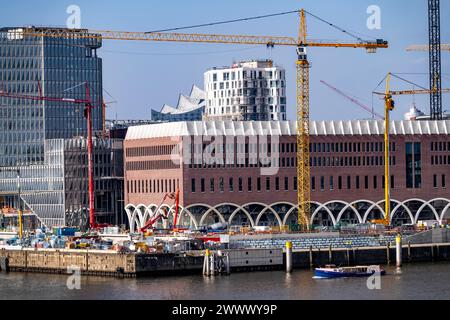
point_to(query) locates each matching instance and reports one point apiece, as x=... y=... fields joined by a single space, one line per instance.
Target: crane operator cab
x=301 y=53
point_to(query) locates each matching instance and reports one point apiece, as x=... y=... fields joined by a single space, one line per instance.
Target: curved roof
x=317 y=128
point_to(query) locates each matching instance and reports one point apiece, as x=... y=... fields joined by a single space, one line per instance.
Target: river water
x=415 y=281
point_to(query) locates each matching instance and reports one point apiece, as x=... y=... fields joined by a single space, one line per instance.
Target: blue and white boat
x=331 y=271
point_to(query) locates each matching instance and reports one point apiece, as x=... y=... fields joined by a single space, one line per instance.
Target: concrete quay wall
x=370 y=255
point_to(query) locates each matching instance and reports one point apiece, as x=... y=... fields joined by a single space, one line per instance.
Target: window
x=366 y=182
x=349 y=182
x=443 y=181
x=295 y=184
x=268 y=184
x=331 y=183
x=286 y=183
x=250 y=184
x=322 y=183
x=258 y=184
x=193 y=185
x=277 y=184
x=241 y=187
x=435 y=181
x=357 y=182
x=340 y=183
x=313 y=183
x=211 y=185
x=202 y=185
x=221 y=187
x=231 y=185
x=375 y=184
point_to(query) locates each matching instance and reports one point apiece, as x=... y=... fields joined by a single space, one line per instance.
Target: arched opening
x=349 y=216
x=322 y=219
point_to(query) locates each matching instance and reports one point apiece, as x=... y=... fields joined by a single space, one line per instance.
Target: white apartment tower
x=249 y=90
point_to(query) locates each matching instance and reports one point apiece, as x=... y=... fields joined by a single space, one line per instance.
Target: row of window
x=214 y=185
x=350 y=161
x=435 y=181
x=152 y=186
x=440 y=160
x=152 y=151
x=151 y=165
x=241 y=162
x=440 y=146
x=357 y=183
x=350 y=147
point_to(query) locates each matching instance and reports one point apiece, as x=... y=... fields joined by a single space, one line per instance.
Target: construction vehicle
x=301 y=43
x=161 y=213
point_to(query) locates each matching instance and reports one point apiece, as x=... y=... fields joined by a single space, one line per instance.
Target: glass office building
x=60 y=66
x=44 y=140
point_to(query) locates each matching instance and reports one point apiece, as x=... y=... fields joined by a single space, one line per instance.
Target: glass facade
x=60 y=65
x=56 y=191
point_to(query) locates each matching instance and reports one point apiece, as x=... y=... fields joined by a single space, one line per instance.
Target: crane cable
x=225 y=22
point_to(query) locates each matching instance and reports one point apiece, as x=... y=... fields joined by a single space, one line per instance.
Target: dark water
x=417 y=281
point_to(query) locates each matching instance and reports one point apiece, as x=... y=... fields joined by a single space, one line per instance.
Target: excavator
x=163 y=214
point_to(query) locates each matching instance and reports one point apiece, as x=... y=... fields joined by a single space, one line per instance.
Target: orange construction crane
x=300 y=43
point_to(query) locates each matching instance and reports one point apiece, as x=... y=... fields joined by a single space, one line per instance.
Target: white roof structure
x=194 y=101
x=317 y=128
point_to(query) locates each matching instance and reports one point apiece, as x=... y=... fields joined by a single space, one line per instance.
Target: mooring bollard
x=212 y=269
x=409 y=251
x=398 y=250
x=227 y=259
x=289 y=257
x=388 y=253
x=206 y=263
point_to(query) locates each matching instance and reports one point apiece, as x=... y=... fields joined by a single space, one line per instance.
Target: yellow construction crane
x=389 y=106
x=300 y=43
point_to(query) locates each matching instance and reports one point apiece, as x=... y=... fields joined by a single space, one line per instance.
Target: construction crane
x=373 y=113
x=87 y=113
x=434 y=30
x=301 y=43
x=389 y=106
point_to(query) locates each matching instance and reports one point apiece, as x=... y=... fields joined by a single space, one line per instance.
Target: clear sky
x=145 y=75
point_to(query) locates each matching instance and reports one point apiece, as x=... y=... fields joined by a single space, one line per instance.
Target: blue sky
x=145 y=75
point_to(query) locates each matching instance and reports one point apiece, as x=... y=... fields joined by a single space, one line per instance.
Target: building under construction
x=244 y=173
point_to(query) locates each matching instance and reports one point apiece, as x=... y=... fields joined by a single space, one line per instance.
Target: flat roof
x=317 y=128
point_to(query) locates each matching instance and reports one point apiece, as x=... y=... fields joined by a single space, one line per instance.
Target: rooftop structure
x=189 y=108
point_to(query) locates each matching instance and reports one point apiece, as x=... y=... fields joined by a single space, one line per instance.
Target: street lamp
x=17 y=171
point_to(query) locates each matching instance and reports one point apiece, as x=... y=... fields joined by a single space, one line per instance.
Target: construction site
x=239 y=189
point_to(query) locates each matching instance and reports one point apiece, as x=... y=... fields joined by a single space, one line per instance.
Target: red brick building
x=245 y=172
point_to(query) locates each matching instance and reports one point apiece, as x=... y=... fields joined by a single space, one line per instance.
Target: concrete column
x=289 y=257
x=398 y=250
